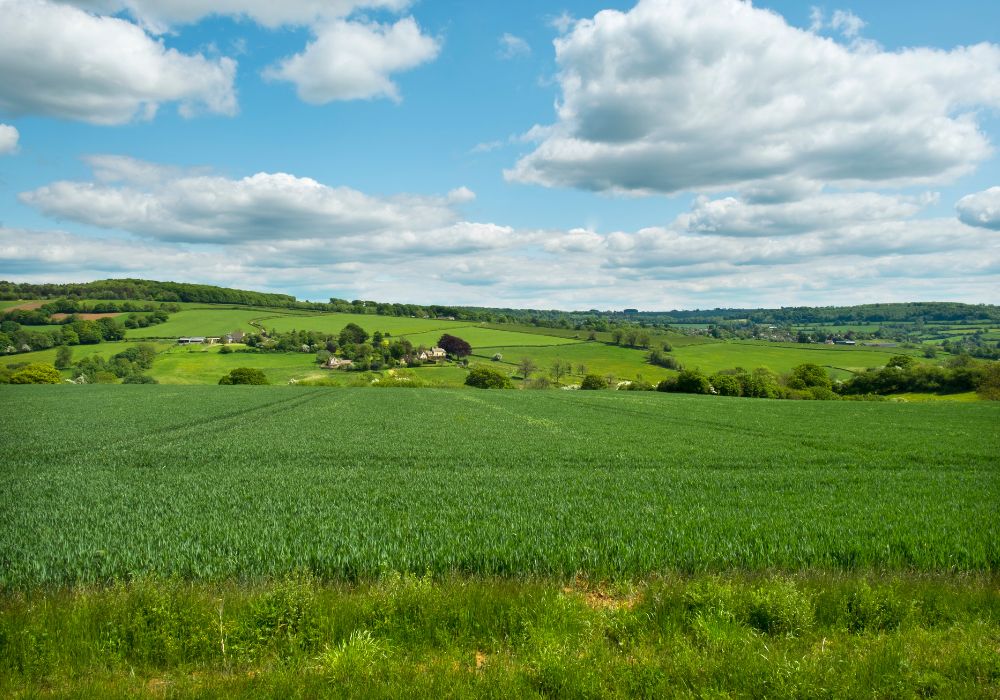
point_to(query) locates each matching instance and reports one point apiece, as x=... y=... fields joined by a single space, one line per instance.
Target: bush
x=245 y=375
x=488 y=378
x=727 y=384
x=139 y=379
x=37 y=373
x=594 y=381
x=691 y=381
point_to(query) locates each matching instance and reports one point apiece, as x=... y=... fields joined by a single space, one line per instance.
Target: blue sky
x=665 y=154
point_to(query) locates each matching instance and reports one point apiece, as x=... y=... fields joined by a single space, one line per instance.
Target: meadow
x=205 y=321
x=840 y=360
x=215 y=483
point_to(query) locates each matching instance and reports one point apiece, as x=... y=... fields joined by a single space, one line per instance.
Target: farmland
x=255 y=482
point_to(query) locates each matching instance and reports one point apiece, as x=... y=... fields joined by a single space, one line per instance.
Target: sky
x=659 y=154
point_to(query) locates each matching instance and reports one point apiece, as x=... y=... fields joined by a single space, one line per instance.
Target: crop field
x=204 y=321
x=210 y=483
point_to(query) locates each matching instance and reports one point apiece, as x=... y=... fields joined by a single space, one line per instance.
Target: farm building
x=432 y=355
x=193 y=340
x=337 y=363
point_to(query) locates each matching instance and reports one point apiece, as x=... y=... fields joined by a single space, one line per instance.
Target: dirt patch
x=24 y=306
x=85 y=317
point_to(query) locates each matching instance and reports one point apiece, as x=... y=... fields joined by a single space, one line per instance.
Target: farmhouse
x=337 y=363
x=432 y=355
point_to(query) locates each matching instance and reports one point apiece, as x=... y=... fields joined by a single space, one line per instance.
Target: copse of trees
x=959 y=375
x=483 y=377
x=245 y=375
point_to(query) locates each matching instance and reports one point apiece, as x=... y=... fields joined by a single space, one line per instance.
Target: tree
x=560 y=369
x=454 y=346
x=808 y=375
x=526 y=367
x=64 y=356
x=245 y=375
x=617 y=335
x=901 y=361
x=37 y=373
x=483 y=377
x=593 y=382
x=352 y=334
x=989 y=385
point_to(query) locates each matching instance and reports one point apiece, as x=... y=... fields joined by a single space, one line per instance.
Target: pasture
x=596 y=357
x=254 y=482
x=839 y=360
x=333 y=323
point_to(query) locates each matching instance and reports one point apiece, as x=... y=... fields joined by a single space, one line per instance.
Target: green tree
x=64 y=356
x=808 y=375
x=901 y=361
x=245 y=375
x=483 y=377
x=352 y=334
x=989 y=385
x=37 y=373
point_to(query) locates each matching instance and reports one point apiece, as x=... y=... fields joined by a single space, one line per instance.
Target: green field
x=840 y=360
x=599 y=358
x=105 y=350
x=204 y=322
x=213 y=483
x=488 y=338
x=333 y=323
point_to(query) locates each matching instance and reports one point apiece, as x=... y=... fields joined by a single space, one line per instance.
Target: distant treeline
x=146 y=290
x=592 y=319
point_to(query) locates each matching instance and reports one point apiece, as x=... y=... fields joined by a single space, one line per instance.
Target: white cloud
x=847 y=23
x=689 y=95
x=734 y=216
x=8 y=139
x=350 y=60
x=513 y=47
x=160 y=15
x=59 y=61
x=172 y=205
x=981 y=209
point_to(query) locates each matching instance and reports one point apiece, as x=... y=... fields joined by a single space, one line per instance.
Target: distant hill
x=150 y=290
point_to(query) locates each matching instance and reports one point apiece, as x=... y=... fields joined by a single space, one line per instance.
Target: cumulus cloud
x=513 y=47
x=60 y=61
x=689 y=95
x=174 y=205
x=733 y=216
x=8 y=139
x=981 y=209
x=351 y=60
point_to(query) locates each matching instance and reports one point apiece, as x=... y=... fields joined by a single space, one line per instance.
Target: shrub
x=245 y=375
x=594 y=381
x=139 y=379
x=691 y=381
x=37 y=373
x=488 y=378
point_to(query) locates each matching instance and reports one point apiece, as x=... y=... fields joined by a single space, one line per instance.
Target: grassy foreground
x=799 y=636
